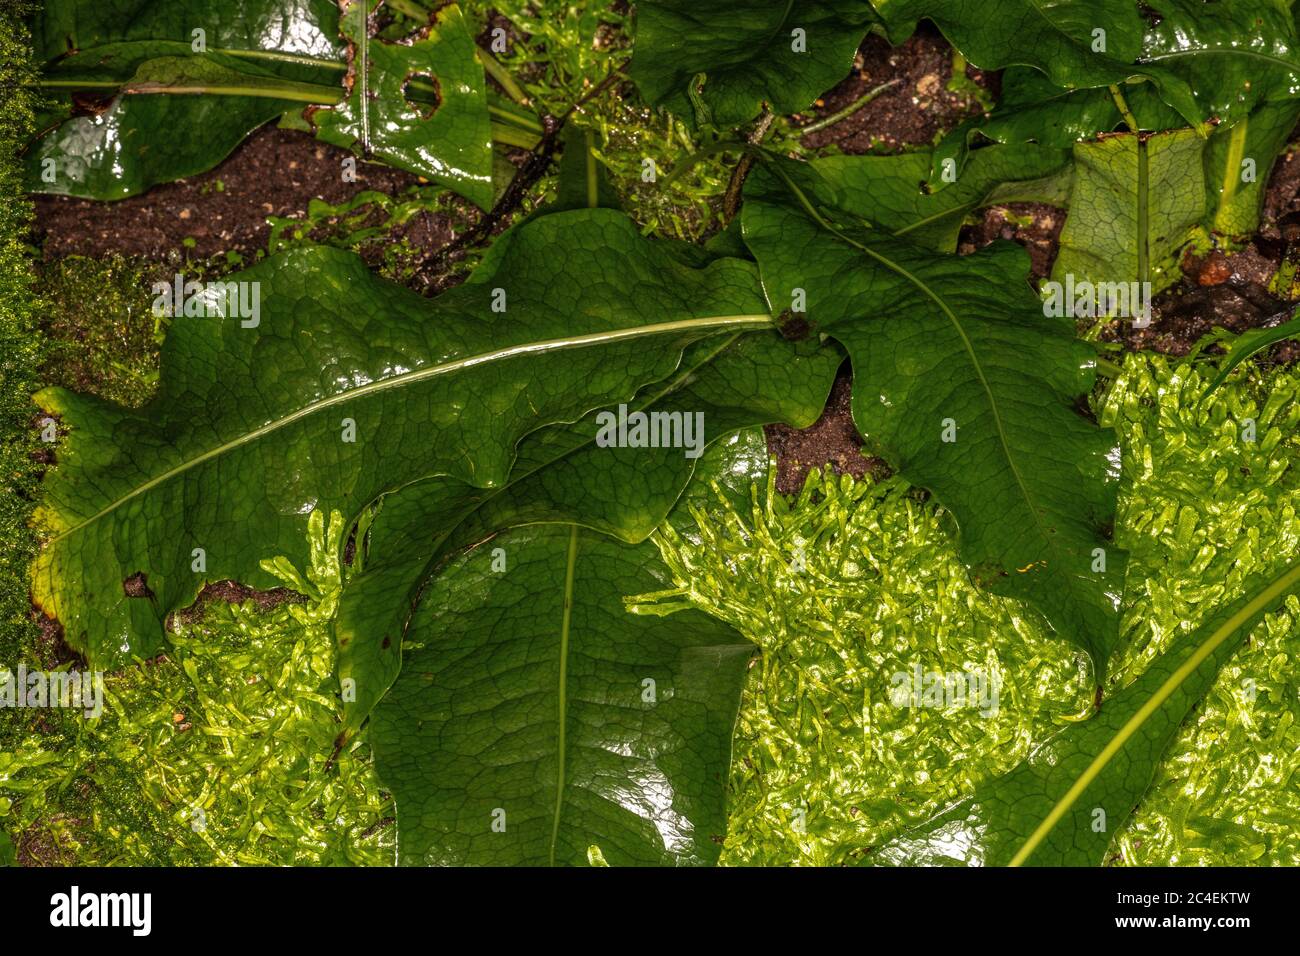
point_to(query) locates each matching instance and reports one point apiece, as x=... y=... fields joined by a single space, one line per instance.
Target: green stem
x=506 y=112
x=848 y=110
x=277 y=57
x=513 y=136
x=1143 y=206
x=722 y=146
x=593 y=174
x=501 y=75
x=1124 y=111
x=1143 y=214
x=1231 y=172
x=509 y=127
x=295 y=92
x=1109 y=368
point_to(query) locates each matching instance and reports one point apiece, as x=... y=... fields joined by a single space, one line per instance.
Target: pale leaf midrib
x=1278 y=589
x=755 y=321
x=562 y=693
x=1049 y=540
x=427 y=568
x=364 y=74
x=1220 y=51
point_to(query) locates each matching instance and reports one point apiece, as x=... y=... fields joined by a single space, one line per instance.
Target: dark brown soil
x=909 y=114
x=232 y=592
x=1035 y=226
x=832 y=440
x=1217 y=291
x=912 y=113
x=276 y=172
x=1282 y=198
x=51 y=649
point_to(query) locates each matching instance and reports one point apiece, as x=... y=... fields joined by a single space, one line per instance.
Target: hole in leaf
x=137 y=586
x=350 y=546
x=90 y=104
x=794 y=328
x=423 y=93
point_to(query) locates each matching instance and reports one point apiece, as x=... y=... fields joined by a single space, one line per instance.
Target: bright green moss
x=855 y=583
x=852 y=583
x=102 y=335
x=20 y=357
x=219 y=753
x=1205 y=510
x=860 y=580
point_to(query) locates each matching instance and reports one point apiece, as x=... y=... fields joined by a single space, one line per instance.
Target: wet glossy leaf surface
x=249 y=430
x=449 y=141
x=1131 y=214
x=748 y=52
x=194 y=84
x=535 y=716
x=891 y=192
x=1062 y=805
x=562 y=476
x=1211 y=63
x=969 y=390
